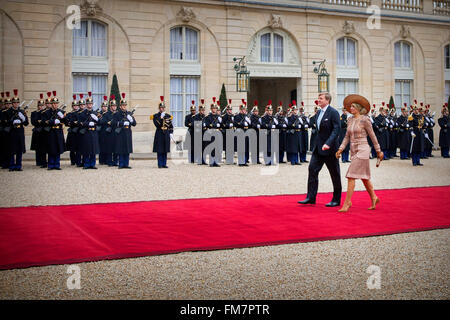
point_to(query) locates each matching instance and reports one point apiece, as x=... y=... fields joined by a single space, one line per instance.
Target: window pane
x=447 y=56
x=191 y=44
x=397 y=55
x=176 y=43
x=98 y=89
x=406 y=55
x=176 y=100
x=191 y=93
x=340 y=52
x=98 y=41
x=340 y=92
x=351 y=52
x=277 y=48
x=447 y=90
x=265 y=47
x=351 y=87
x=79 y=85
x=80 y=40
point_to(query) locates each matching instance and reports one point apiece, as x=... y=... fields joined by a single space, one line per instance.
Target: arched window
x=402 y=54
x=447 y=56
x=90 y=60
x=346 y=52
x=272 y=48
x=183 y=44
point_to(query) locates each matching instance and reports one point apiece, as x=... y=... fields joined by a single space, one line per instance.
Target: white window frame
x=185 y=108
x=89 y=40
x=398 y=105
x=346 y=65
x=272 y=48
x=183 y=37
x=446 y=90
x=402 y=59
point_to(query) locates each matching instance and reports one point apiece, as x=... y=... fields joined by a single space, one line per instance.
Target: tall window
x=402 y=54
x=93 y=83
x=89 y=40
x=346 y=52
x=447 y=56
x=402 y=93
x=447 y=90
x=272 y=48
x=344 y=88
x=182 y=91
x=183 y=44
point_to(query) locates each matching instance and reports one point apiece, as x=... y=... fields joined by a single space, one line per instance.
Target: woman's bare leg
x=373 y=196
x=348 y=196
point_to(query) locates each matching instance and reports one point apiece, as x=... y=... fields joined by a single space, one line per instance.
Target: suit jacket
x=328 y=133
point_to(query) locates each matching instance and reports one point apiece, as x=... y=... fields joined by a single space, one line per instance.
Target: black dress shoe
x=420 y=164
x=307 y=201
x=19 y=169
x=95 y=168
x=57 y=169
x=12 y=169
x=164 y=167
x=332 y=204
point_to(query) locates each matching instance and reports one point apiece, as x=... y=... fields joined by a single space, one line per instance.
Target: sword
x=412 y=142
x=430 y=141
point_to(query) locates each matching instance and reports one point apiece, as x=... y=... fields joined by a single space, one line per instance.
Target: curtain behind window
x=98 y=89
x=397 y=55
x=351 y=52
x=80 y=40
x=98 y=40
x=176 y=100
x=277 y=48
x=176 y=43
x=80 y=85
x=406 y=55
x=340 y=52
x=265 y=47
x=191 y=44
x=191 y=93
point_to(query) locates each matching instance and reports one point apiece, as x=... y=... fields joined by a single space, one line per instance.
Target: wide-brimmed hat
x=356 y=98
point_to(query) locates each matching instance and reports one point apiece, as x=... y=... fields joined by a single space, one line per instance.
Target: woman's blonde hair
x=360 y=108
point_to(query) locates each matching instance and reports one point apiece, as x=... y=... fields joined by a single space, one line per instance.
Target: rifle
x=54 y=116
x=119 y=129
x=15 y=115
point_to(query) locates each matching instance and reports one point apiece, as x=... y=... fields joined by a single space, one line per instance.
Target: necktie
x=319 y=118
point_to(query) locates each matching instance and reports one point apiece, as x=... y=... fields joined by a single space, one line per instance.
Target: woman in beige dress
x=358 y=128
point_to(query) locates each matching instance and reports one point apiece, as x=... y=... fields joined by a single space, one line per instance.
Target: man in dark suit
x=327 y=142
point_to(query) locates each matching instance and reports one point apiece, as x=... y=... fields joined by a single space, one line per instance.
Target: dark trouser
x=53 y=161
x=16 y=161
x=89 y=160
x=385 y=153
x=415 y=158
x=373 y=152
x=293 y=157
x=75 y=158
x=5 y=160
x=303 y=156
x=41 y=158
x=403 y=154
x=103 y=158
x=345 y=156
x=162 y=159
x=124 y=160
x=281 y=157
x=112 y=159
x=444 y=152
x=315 y=165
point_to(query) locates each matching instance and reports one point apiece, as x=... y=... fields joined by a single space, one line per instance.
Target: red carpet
x=36 y=236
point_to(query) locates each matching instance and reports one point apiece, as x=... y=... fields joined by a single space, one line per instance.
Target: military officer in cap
x=17 y=119
x=242 y=122
x=312 y=121
x=37 y=144
x=294 y=145
x=228 y=124
x=269 y=122
x=404 y=133
x=89 y=135
x=444 y=133
x=72 y=133
x=163 y=134
x=6 y=132
x=213 y=121
x=123 y=120
x=189 y=124
x=256 y=125
x=342 y=133
x=381 y=124
x=304 y=133
x=393 y=132
x=54 y=120
x=81 y=131
x=200 y=117
x=282 y=127
x=4 y=141
x=416 y=123
x=429 y=134
x=102 y=157
x=110 y=137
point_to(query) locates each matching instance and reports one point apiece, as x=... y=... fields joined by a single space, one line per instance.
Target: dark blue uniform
x=282 y=127
x=255 y=124
x=444 y=136
x=313 y=126
x=73 y=137
x=213 y=122
x=109 y=138
x=269 y=122
x=416 y=122
x=294 y=144
x=342 y=133
x=55 y=137
x=38 y=144
x=102 y=157
x=17 y=119
x=304 y=138
x=240 y=122
x=161 y=143
x=123 y=121
x=89 y=144
x=404 y=136
x=189 y=124
x=4 y=139
x=381 y=131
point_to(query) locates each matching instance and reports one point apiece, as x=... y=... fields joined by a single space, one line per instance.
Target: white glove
x=91 y=124
x=93 y=116
x=21 y=116
x=220 y=119
x=390 y=126
x=60 y=114
x=413 y=134
x=258 y=126
x=273 y=126
x=245 y=124
x=162 y=115
x=218 y=125
x=126 y=123
x=275 y=121
x=231 y=125
x=171 y=137
x=130 y=118
x=284 y=126
x=17 y=121
x=57 y=121
x=299 y=126
x=306 y=126
x=204 y=124
x=407 y=125
x=426 y=135
x=286 y=120
x=247 y=119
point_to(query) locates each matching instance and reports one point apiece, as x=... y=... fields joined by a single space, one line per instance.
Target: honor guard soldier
x=282 y=126
x=81 y=130
x=89 y=136
x=37 y=142
x=429 y=137
x=102 y=157
x=393 y=132
x=123 y=121
x=213 y=121
x=381 y=124
x=242 y=122
x=312 y=121
x=342 y=133
x=54 y=120
x=72 y=133
x=416 y=122
x=4 y=141
x=189 y=124
x=17 y=120
x=200 y=117
x=444 y=133
x=163 y=134
x=294 y=145
x=269 y=122
x=424 y=130
x=109 y=139
x=6 y=116
x=256 y=125
x=404 y=133
x=228 y=124
x=304 y=133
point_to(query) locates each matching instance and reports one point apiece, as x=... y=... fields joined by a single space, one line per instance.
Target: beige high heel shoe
x=374 y=203
x=344 y=208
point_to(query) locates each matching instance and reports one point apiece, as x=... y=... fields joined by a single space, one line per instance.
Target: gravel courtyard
x=413 y=265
